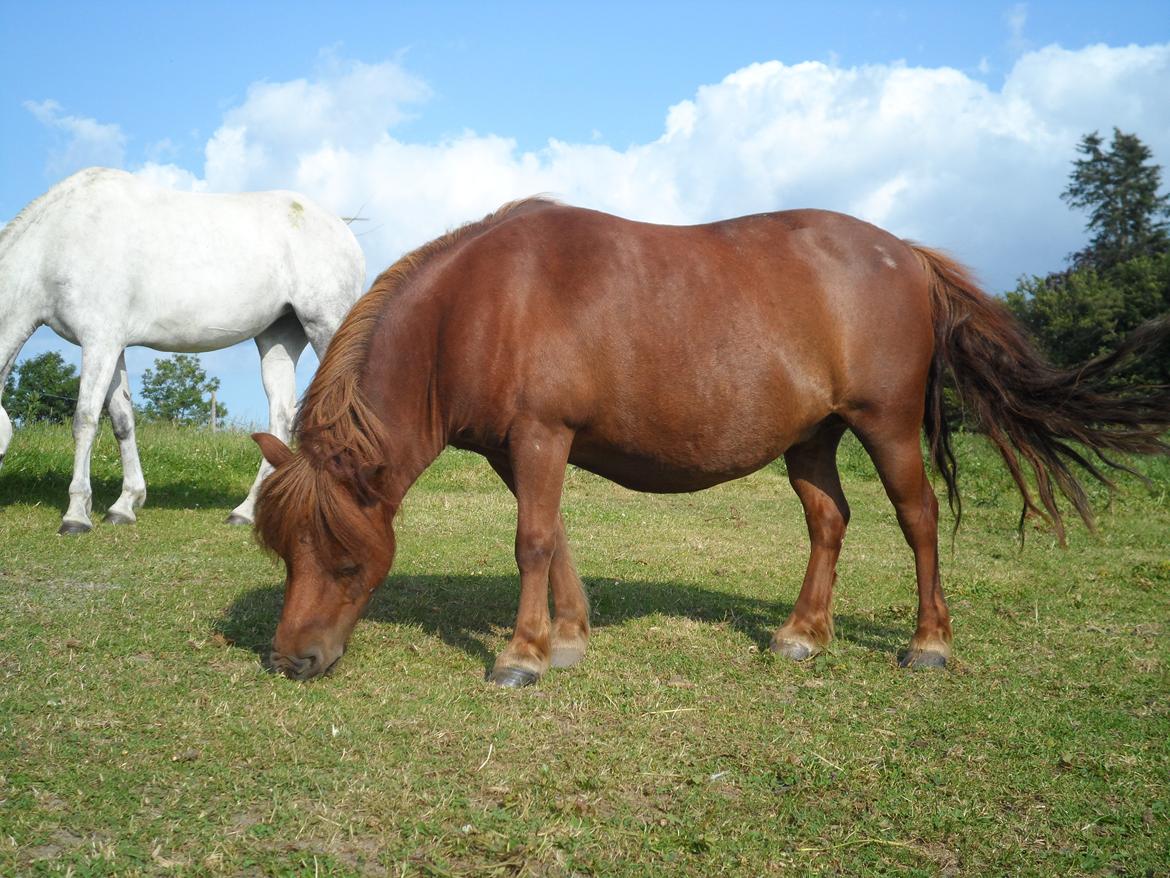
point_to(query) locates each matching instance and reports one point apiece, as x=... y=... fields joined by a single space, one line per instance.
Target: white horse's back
x=106 y=252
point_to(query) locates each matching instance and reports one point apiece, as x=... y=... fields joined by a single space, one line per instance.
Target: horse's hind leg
x=122 y=419
x=97 y=371
x=280 y=346
x=570 y=624
x=812 y=471
x=897 y=455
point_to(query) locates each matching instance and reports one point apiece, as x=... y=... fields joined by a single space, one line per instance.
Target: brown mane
x=340 y=438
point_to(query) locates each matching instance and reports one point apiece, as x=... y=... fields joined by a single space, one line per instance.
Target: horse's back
x=104 y=209
x=707 y=350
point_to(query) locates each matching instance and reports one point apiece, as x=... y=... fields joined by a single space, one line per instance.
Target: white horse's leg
x=97 y=369
x=280 y=346
x=122 y=418
x=12 y=339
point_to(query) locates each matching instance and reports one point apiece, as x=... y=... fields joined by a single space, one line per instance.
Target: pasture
x=139 y=733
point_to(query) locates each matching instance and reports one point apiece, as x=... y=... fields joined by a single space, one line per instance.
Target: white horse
x=108 y=260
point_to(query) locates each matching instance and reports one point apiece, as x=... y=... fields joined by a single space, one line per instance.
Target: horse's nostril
x=311 y=664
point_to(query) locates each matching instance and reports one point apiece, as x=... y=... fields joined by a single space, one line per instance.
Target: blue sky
x=953 y=123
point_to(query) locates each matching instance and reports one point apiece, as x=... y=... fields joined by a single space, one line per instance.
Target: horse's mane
x=341 y=439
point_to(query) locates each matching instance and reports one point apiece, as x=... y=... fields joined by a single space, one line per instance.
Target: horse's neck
x=401 y=387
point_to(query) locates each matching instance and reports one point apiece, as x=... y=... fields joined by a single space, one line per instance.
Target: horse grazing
x=666 y=359
x=107 y=260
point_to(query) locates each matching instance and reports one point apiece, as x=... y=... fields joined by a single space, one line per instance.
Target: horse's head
x=328 y=522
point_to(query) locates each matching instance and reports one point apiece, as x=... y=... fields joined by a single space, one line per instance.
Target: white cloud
x=171 y=176
x=929 y=153
x=349 y=104
x=1016 y=19
x=81 y=141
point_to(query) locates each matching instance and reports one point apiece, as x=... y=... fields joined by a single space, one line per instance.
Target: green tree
x=177 y=389
x=1119 y=189
x=42 y=388
x=1121 y=278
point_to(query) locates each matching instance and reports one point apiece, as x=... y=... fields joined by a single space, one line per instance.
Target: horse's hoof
x=794 y=650
x=923 y=658
x=513 y=678
x=567 y=655
x=68 y=528
x=117 y=518
x=237 y=520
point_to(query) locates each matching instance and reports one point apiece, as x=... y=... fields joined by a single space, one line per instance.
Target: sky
x=951 y=123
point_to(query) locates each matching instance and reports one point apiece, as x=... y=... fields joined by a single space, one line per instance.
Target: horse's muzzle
x=312 y=664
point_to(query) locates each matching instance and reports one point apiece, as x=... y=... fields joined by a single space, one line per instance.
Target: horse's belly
x=652 y=477
x=680 y=435
x=674 y=467
x=207 y=331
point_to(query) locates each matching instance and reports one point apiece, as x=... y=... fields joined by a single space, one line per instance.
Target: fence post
x=213 y=412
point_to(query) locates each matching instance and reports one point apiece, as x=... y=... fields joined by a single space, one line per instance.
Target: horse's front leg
x=570 y=624
x=13 y=334
x=97 y=370
x=537 y=455
x=122 y=419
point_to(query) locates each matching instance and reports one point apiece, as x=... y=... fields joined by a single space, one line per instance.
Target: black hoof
x=927 y=659
x=513 y=678
x=117 y=518
x=68 y=528
x=237 y=520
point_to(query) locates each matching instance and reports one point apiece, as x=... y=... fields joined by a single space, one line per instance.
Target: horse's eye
x=346 y=571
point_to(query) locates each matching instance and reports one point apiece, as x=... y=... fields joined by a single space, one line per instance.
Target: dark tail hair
x=1030 y=409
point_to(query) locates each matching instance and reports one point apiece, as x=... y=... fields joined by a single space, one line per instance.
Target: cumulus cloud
x=81 y=141
x=930 y=153
x=348 y=104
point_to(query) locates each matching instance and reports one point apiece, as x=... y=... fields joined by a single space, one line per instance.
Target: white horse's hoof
x=68 y=528
x=118 y=518
x=237 y=520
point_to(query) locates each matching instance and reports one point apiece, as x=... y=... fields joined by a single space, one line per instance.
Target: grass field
x=140 y=735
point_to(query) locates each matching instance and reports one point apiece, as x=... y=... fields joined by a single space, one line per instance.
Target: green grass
x=139 y=734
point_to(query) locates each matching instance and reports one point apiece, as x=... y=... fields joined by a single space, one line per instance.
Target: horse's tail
x=1030 y=409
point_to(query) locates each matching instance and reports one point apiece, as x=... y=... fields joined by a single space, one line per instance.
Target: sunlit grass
x=139 y=734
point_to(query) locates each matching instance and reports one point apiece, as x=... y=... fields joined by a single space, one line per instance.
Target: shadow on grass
x=52 y=489
x=467 y=611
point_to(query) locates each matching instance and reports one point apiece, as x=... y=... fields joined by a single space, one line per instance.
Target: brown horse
x=666 y=359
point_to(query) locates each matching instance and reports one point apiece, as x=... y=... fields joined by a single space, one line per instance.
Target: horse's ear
x=274 y=451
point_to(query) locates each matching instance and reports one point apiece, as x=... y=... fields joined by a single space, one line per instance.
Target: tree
x=1119 y=188
x=1121 y=278
x=42 y=388
x=177 y=389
